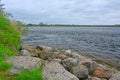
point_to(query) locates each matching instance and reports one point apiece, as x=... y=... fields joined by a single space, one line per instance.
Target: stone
x=49 y=53
x=61 y=56
x=80 y=71
x=34 y=50
x=55 y=71
x=68 y=63
x=24 y=62
x=115 y=76
x=76 y=55
x=101 y=72
x=25 y=53
x=57 y=60
x=93 y=78
x=91 y=65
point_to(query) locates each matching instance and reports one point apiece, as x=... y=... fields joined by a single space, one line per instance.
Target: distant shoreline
x=65 y=25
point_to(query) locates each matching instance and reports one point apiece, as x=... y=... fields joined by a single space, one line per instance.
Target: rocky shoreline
x=61 y=64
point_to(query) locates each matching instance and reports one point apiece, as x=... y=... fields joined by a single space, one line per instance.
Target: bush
x=35 y=74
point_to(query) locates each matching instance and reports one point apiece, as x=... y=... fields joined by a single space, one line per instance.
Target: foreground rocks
x=61 y=64
x=24 y=62
x=55 y=71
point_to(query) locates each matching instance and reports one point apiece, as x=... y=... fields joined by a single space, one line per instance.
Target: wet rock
x=55 y=71
x=80 y=71
x=24 y=62
x=68 y=63
x=101 y=72
x=115 y=76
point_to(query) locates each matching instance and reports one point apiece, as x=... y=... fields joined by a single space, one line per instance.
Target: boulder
x=68 y=63
x=80 y=71
x=61 y=56
x=35 y=50
x=24 y=62
x=68 y=53
x=91 y=65
x=102 y=72
x=115 y=76
x=55 y=71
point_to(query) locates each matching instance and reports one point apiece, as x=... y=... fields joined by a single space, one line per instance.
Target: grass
x=35 y=74
x=9 y=44
x=10 y=36
x=4 y=66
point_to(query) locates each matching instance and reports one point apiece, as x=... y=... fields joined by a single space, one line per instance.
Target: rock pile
x=61 y=64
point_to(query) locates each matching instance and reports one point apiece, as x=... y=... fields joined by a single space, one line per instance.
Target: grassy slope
x=9 y=45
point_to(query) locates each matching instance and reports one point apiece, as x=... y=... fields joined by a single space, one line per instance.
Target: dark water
x=96 y=42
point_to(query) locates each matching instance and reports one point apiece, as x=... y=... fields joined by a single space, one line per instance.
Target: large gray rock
x=115 y=76
x=68 y=63
x=24 y=62
x=55 y=71
x=80 y=71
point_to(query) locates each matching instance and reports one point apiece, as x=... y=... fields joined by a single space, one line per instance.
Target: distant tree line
x=70 y=25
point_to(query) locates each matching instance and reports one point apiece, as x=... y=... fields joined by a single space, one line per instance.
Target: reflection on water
x=87 y=41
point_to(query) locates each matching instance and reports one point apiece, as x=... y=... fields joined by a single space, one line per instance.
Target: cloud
x=65 y=11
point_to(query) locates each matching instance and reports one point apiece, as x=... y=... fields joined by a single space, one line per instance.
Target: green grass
x=9 y=44
x=35 y=74
x=9 y=38
x=10 y=35
x=4 y=66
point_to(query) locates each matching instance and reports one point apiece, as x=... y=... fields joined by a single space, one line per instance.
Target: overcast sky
x=65 y=11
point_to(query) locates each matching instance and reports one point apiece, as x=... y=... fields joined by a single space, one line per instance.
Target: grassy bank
x=9 y=44
x=10 y=36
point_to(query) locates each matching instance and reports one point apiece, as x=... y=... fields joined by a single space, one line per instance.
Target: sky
x=83 y=12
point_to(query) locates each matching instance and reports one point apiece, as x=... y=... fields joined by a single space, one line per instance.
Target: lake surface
x=100 y=43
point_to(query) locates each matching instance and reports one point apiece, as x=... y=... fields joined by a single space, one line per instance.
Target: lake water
x=100 y=43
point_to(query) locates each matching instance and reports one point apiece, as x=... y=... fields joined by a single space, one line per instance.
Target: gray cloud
x=65 y=11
